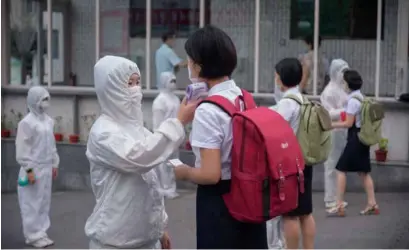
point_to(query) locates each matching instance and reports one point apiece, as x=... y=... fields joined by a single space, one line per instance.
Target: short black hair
x=353 y=79
x=169 y=34
x=290 y=71
x=213 y=50
x=310 y=40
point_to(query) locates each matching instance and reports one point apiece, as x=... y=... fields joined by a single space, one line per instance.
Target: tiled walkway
x=70 y=210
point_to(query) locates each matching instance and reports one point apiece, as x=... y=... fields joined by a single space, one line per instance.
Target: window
x=181 y=16
x=345 y=19
x=55 y=43
x=29 y=5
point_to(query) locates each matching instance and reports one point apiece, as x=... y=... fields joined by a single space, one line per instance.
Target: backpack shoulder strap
x=357 y=98
x=294 y=98
x=248 y=99
x=227 y=106
x=223 y=103
x=305 y=100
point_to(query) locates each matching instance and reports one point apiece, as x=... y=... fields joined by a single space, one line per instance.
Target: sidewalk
x=70 y=210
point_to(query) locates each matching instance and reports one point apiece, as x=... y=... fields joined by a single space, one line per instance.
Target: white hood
x=166 y=81
x=333 y=97
x=338 y=66
x=34 y=97
x=111 y=77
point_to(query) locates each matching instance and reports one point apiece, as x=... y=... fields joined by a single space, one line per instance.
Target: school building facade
x=263 y=31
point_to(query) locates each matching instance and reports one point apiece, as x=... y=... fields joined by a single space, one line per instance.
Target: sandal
x=336 y=211
x=370 y=210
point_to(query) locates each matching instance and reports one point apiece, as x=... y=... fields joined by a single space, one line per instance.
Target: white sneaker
x=41 y=243
x=50 y=241
x=333 y=204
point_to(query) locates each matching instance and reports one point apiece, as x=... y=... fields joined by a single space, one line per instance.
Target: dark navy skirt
x=356 y=155
x=304 y=199
x=217 y=229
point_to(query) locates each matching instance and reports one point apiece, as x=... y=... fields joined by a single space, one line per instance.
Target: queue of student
x=130 y=177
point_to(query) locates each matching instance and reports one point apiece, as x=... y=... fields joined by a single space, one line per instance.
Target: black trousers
x=217 y=229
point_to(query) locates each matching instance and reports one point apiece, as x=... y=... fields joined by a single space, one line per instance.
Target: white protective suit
x=36 y=150
x=166 y=105
x=333 y=98
x=275 y=236
x=129 y=210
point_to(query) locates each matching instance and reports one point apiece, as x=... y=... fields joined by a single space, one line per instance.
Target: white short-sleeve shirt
x=212 y=128
x=290 y=109
x=353 y=106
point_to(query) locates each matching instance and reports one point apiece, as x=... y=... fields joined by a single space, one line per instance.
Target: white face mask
x=192 y=79
x=136 y=95
x=171 y=86
x=44 y=105
x=278 y=94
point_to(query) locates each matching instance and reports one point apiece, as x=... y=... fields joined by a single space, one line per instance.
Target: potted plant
x=89 y=121
x=74 y=138
x=382 y=152
x=57 y=129
x=5 y=132
x=13 y=123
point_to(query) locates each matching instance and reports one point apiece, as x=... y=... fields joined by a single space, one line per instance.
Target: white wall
x=395 y=127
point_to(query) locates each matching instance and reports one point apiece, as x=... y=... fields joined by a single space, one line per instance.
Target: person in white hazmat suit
x=333 y=98
x=129 y=210
x=37 y=155
x=275 y=236
x=166 y=105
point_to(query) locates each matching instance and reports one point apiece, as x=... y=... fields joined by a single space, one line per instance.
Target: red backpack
x=267 y=161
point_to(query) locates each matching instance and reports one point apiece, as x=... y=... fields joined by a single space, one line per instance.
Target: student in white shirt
x=355 y=157
x=212 y=58
x=288 y=76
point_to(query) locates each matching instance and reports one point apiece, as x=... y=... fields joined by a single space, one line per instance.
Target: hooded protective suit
x=129 y=210
x=36 y=150
x=275 y=237
x=166 y=105
x=333 y=98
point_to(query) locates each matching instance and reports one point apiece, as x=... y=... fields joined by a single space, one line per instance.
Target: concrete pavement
x=70 y=210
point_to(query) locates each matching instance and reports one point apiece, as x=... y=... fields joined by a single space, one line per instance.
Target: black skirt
x=355 y=157
x=217 y=229
x=304 y=199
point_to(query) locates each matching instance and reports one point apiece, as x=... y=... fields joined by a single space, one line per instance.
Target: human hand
x=187 y=111
x=181 y=171
x=165 y=241
x=343 y=116
x=55 y=173
x=31 y=177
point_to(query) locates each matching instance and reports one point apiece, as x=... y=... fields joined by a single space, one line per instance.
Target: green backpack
x=372 y=114
x=313 y=134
